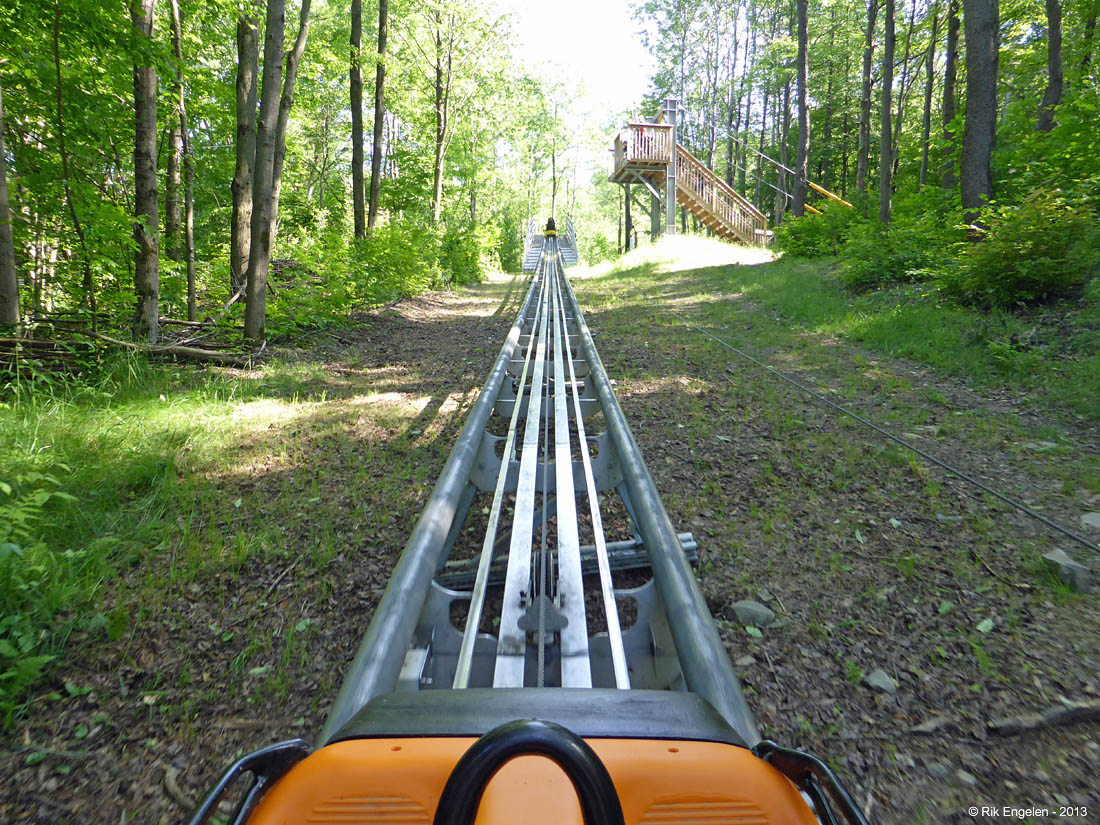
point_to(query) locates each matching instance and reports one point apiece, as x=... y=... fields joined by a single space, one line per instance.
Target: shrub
x=812 y=236
x=1037 y=250
x=917 y=246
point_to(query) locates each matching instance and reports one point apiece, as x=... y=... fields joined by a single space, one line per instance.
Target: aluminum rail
x=377 y=664
x=552 y=620
x=703 y=658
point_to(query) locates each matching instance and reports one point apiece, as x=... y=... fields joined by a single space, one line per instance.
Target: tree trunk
x=9 y=278
x=276 y=100
x=442 y=101
x=188 y=169
x=760 y=152
x=188 y=215
x=240 y=242
x=379 y=116
x=802 y=164
x=356 y=72
x=825 y=165
x=903 y=92
x=886 y=143
x=1053 y=94
x=175 y=144
x=731 y=128
x=86 y=262
x=554 y=181
x=929 y=83
x=950 y=103
x=146 y=263
x=981 y=19
x=744 y=143
x=263 y=171
x=862 y=156
x=784 y=159
x=293 y=58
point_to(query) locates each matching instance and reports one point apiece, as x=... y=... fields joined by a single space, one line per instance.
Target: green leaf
x=75 y=691
x=34 y=757
x=985 y=625
x=859 y=536
x=895 y=523
x=259 y=671
x=946 y=607
x=5 y=488
x=754 y=631
x=81 y=731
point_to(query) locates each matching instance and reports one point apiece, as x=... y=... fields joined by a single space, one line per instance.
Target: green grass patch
x=1052 y=353
x=100 y=474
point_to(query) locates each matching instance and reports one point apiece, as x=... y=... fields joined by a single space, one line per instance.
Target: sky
x=595 y=42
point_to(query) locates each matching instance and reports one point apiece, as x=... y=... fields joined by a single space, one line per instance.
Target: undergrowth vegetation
x=1043 y=247
x=93 y=479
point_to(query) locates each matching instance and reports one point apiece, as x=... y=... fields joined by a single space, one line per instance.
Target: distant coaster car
x=551 y=230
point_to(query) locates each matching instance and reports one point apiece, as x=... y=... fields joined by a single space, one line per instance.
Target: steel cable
x=1023 y=508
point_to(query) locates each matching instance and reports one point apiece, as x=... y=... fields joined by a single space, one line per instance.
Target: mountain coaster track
x=646 y=716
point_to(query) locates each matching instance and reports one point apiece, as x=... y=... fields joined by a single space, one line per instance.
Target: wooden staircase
x=643 y=154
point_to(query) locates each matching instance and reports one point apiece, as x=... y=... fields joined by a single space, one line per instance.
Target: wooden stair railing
x=715 y=203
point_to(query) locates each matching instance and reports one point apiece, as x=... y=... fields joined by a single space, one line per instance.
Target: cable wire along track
x=544 y=606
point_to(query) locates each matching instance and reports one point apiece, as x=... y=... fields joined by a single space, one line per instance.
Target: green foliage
x=29 y=574
x=812 y=236
x=917 y=246
x=1042 y=248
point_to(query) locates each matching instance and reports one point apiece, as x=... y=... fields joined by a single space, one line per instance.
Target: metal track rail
x=547 y=485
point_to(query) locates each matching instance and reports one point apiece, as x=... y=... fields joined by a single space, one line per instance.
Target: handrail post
x=672 y=106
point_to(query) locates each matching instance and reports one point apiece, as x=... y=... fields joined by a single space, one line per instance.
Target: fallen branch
x=1072 y=713
x=229 y=359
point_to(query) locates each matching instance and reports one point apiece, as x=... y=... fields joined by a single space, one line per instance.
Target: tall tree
x=803 y=71
x=444 y=57
x=174 y=161
x=929 y=83
x=263 y=171
x=9 y=278
x=146 y=263
x=78 y=227
x=356 y=72
x=276 y=99
x=950 y=103
x=1053 y=94
x=379 y=115
x=188 y=171
x=248 y=63
x=864 y=151
x=886 y=143
x=981 y=19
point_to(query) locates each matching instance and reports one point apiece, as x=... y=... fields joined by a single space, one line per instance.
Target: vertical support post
x=654 y=217
x=672 y=106
x=629 y=222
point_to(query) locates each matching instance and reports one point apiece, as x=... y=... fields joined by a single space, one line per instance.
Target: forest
x=386 y=150
x=943 y=123
x=257 y=257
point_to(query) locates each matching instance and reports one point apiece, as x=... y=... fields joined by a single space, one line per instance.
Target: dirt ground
x=870 y=559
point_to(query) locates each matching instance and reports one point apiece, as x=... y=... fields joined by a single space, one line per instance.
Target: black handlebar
x=596 y=792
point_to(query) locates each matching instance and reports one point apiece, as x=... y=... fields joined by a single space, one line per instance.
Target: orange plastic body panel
x=399 y=781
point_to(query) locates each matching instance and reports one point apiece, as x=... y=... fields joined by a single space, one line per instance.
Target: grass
x=99 y=474
x=996 y=349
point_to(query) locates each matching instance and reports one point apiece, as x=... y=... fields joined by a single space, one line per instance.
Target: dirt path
x=868 y=558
